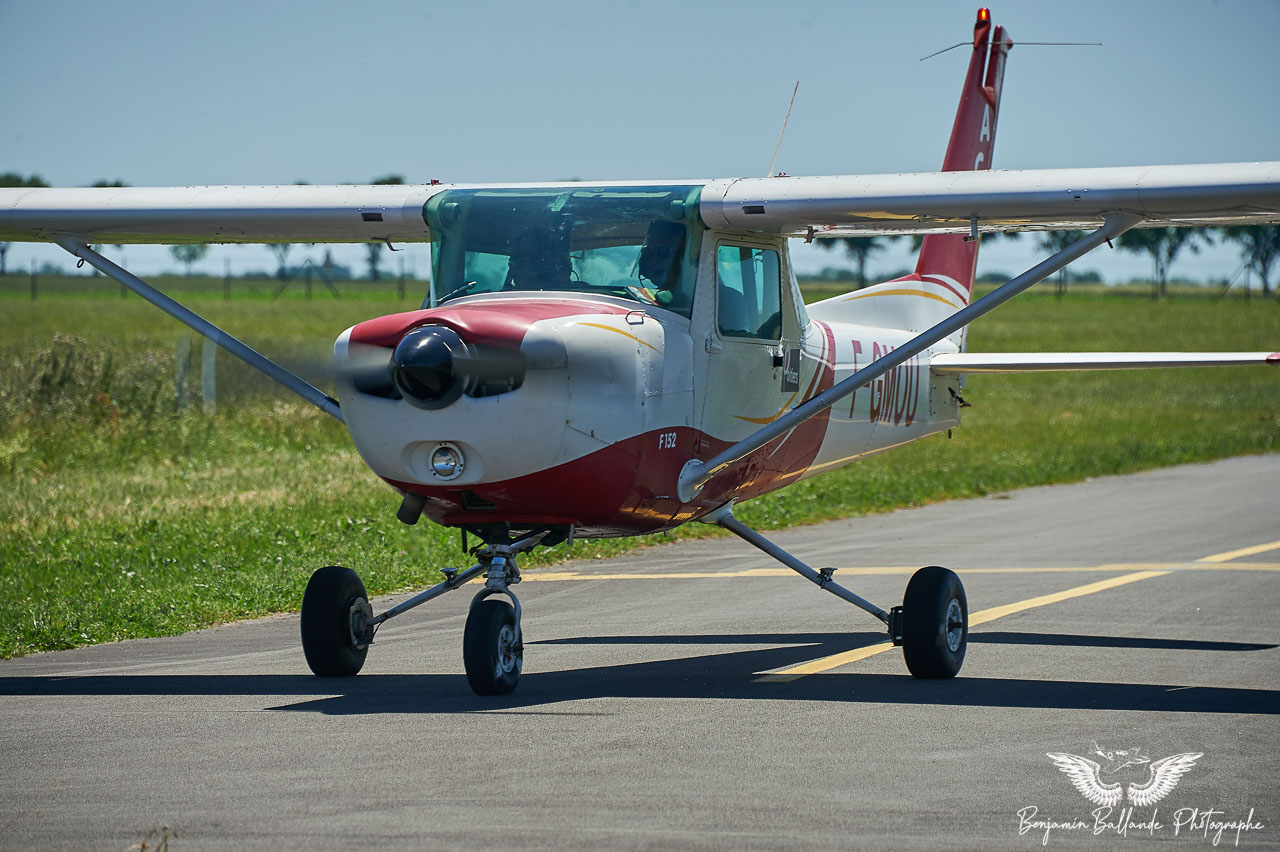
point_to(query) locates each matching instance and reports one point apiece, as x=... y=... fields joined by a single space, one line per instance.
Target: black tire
x=492 y=652
x=935 y=623
x=326 y=622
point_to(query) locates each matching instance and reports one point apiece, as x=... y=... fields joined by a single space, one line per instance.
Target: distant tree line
x=1259 y=247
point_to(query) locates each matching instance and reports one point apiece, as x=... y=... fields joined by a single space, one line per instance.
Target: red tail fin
x=950 y=256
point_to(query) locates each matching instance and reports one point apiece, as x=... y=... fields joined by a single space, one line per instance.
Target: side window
x=748 y=293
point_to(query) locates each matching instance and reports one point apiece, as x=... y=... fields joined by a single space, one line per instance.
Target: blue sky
x=173 y=93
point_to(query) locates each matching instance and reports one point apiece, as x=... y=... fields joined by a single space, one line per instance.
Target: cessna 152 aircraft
x=614 y=359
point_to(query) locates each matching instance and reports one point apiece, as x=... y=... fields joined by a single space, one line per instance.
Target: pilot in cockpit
x=659 y=265
x=539 y=260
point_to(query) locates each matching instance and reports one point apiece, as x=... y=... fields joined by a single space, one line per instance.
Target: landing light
x=446 y=461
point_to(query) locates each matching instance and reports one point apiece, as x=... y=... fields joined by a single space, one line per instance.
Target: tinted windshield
x=637 y=243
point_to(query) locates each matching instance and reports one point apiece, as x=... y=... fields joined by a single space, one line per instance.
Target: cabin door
x=750 y=355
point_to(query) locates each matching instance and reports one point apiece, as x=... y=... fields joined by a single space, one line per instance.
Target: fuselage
x=623 y=367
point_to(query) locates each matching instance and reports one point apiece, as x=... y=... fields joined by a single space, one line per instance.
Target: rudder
x=950 y=259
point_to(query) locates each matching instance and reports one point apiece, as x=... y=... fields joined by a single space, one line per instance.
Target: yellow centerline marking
x=827 y=663
x=559 y=576
x=992 y=613
x=1244 y=551
x=1163 y=567
x=980 y=617
x=1234 y=566
x=1136 y=572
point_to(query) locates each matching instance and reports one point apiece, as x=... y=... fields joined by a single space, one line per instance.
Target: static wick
x=774 y=161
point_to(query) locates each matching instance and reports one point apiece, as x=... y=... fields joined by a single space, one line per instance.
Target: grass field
x=120 y=517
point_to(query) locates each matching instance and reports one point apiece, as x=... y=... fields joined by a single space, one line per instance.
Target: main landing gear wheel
x=332 y=605
x=492 y=651
x=935 y=623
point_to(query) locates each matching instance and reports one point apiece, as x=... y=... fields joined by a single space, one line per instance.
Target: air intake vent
x=472 y=502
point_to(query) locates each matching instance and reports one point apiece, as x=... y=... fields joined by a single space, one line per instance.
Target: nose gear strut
x=338 y=624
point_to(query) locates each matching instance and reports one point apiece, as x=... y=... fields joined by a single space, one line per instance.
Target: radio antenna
x=1020 y=44
x=774 y=161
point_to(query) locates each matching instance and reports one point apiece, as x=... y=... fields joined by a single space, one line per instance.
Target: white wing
x=1084 y=777
x=1164 y=777
x=942 y=202
x=217 y=214
x=929 y=202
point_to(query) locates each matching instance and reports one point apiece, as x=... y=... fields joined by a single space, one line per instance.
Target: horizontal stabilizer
x=1035 y=362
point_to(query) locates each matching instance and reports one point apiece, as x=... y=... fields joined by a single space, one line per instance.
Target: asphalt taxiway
x=698 y=695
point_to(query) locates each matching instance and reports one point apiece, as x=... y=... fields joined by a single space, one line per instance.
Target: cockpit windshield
x=638 y=243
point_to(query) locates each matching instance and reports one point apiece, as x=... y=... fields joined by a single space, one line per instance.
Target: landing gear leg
x=492 y=645
x=932 y=625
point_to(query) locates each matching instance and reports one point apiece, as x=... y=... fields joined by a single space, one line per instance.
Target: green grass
x=120 y=517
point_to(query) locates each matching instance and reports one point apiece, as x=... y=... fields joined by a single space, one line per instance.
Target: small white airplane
x=615 y=359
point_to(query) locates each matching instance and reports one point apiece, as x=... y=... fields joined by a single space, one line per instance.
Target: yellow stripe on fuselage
x=623 y=333
x=933 y=296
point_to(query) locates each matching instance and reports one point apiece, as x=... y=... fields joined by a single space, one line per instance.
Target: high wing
x=930 y=202
x=1037 y=362
x=953 y=202
x=217 y=214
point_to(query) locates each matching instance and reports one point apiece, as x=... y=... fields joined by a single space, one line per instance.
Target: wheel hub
x=955 y=625
x=359 y=629
x=508 y=657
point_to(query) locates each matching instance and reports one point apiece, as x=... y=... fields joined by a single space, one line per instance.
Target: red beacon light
x=984 y=15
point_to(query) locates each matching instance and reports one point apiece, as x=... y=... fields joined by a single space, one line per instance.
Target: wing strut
x=697 y=474
x=181 y=313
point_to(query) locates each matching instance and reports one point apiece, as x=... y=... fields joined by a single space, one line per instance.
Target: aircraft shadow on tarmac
x=729 y=675
x=1070 y=639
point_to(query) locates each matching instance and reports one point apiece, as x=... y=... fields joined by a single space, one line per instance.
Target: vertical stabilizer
x=950 y=258
x=943 y=281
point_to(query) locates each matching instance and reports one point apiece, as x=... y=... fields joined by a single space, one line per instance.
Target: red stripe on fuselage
x=626 y=488
x=963 y=294
x=496 y=322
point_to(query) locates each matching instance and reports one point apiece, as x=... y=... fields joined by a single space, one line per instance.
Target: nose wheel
x=492 y=650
